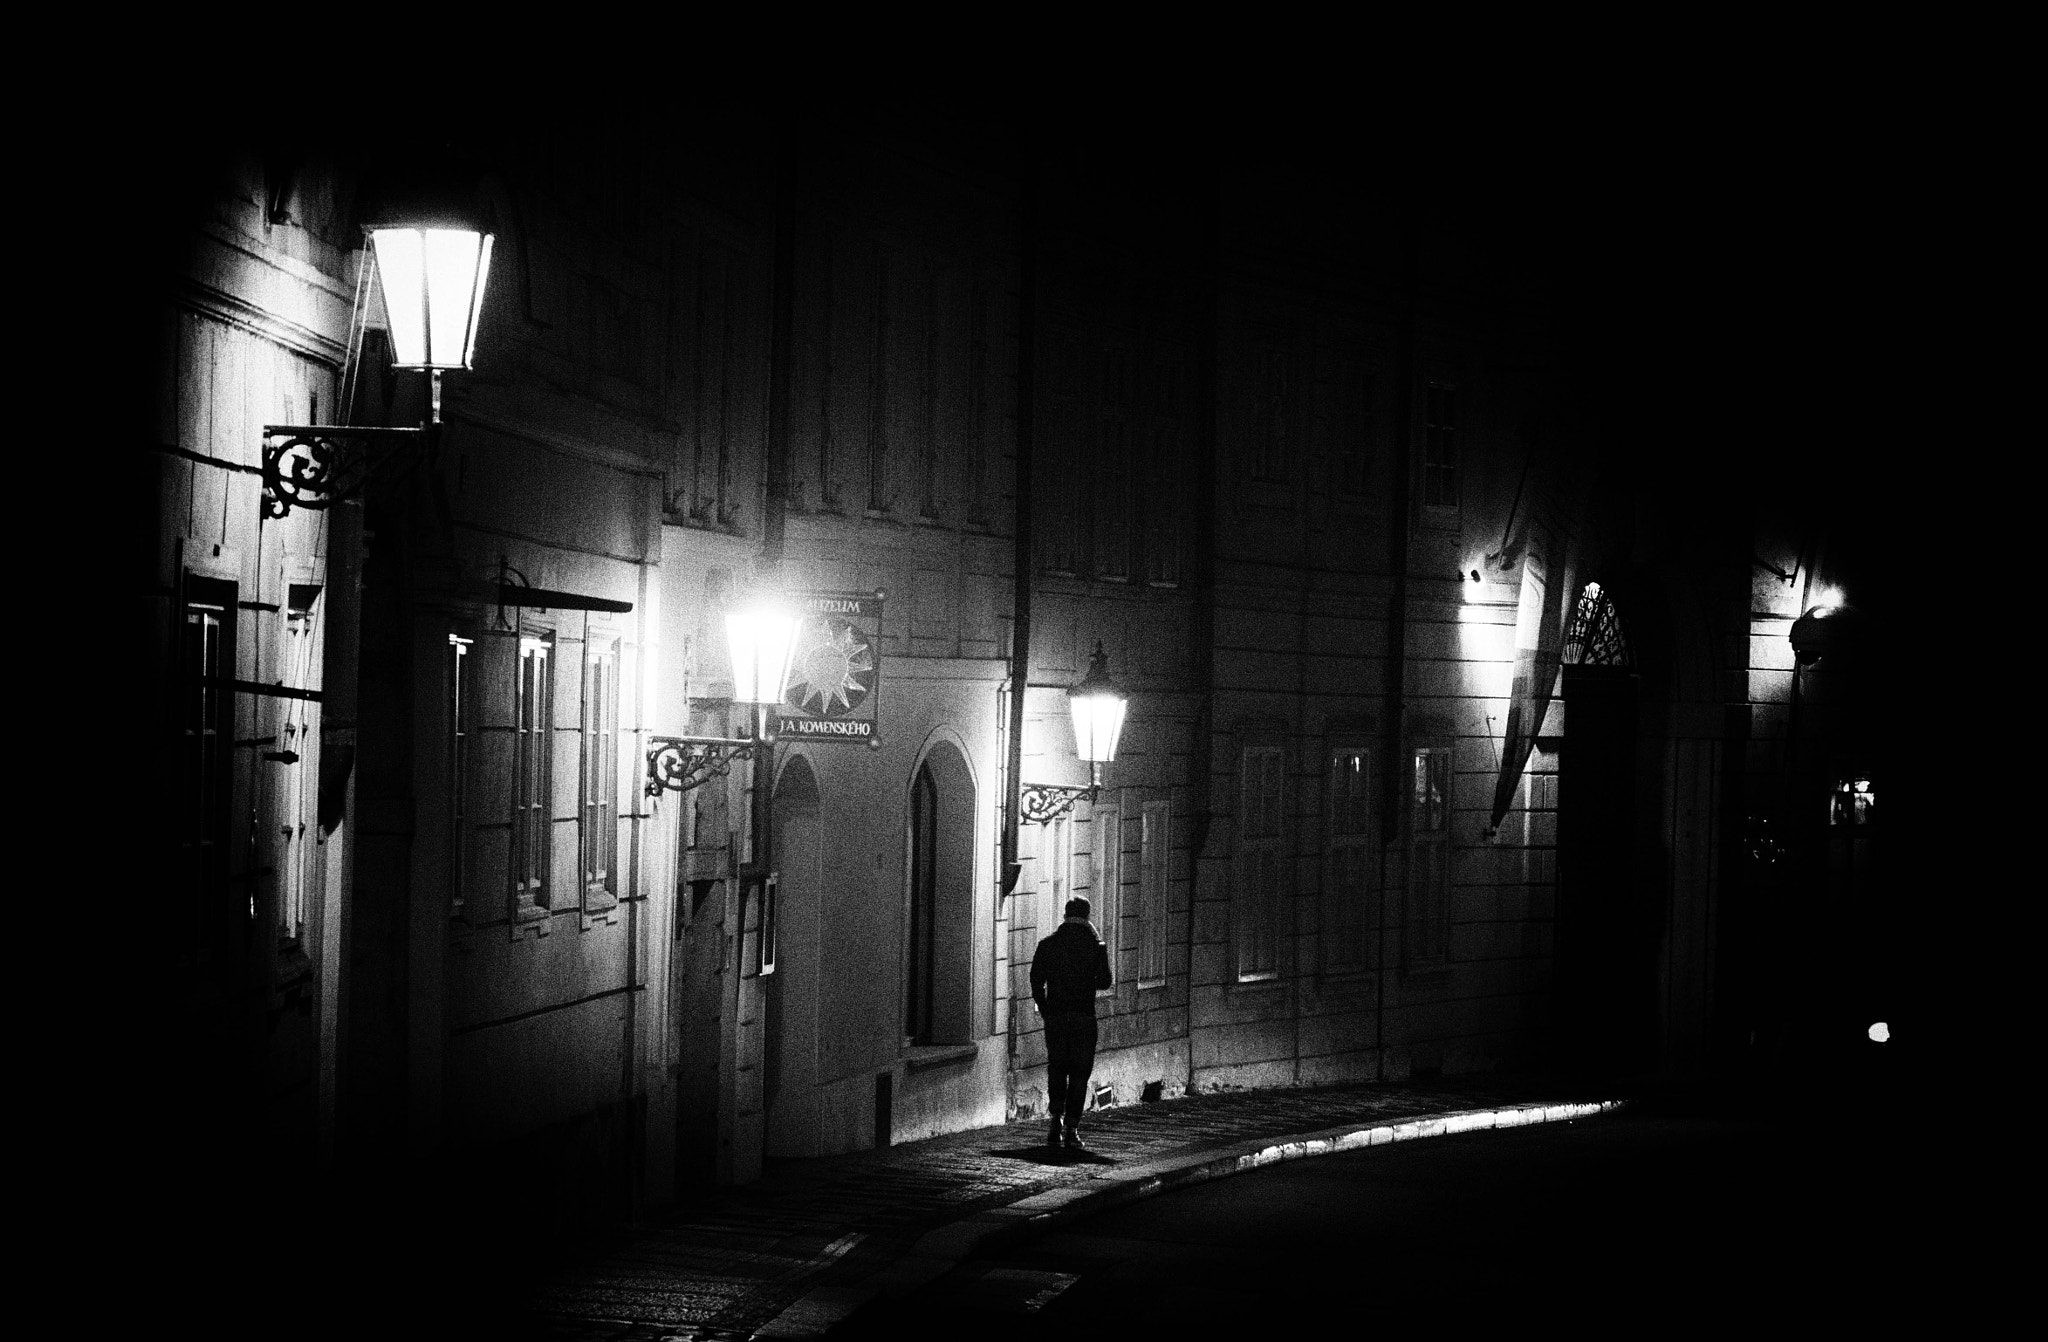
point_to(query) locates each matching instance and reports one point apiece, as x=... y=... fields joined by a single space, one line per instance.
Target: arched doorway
x=790 y=992
x=939 y=959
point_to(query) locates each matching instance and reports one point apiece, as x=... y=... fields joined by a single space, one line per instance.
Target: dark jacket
x=1068 y=967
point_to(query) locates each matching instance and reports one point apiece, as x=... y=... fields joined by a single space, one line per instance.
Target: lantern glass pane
x=401 y=268
x=451 y=259
x=1098 y=721
x=476 y=302
x=762 y=643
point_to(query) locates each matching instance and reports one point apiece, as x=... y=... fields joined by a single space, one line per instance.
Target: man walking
x=1066 y=970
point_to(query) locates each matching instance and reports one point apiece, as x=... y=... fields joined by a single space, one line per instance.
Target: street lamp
x=433 y=284
x=1098 y=708
x=431 y=266
x=762 y=641
x=1820 y=629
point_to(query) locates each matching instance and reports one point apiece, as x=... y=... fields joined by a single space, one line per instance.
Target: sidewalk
x=800 y=1250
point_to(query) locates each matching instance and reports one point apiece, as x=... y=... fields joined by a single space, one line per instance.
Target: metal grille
x=1595 y=637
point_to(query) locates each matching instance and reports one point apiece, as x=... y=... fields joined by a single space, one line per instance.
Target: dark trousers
x=1069 y=1057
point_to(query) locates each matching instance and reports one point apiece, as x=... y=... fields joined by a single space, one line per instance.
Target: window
x=1152 y=895
x=767 y=944
x=298 y=747
x=1160 y=501
x=1354 y=429
x=1852 y=803
x=1270 y=445
x=458 y=691
x=1256 y=907
x=1107 y=881
x=919 y=979
x=1113 y=494
x=599 y=784
x=206 y=663
x=1057 y=852
x=941 y=1005
x=1347 y=892
x=879 y=392
x=1429 y=852
x=1113 y=417
x=1440 y=446
x=533 y=723
x=1852 y=815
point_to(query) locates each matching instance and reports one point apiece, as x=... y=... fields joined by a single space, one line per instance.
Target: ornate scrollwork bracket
x=1039 y=803
x=316 y=466
x=679 y=763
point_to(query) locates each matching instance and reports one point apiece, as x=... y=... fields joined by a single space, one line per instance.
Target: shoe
x=1073 y=1141
x=1053 y=1138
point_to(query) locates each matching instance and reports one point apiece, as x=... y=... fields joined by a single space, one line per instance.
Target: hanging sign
x=834 y=684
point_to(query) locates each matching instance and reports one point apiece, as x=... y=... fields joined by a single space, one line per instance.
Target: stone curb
x=944 y=1248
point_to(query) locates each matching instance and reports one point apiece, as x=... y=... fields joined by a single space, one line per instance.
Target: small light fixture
x=1098 y=708
x=1816 y=632
x=761 y=639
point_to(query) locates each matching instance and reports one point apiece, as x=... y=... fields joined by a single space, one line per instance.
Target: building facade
x=1456 y=739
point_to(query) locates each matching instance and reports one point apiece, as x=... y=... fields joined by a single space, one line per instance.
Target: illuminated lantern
x=1098 y=708
x=762 y=639
x=432 y=277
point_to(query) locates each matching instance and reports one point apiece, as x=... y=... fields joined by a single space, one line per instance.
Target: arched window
x=938 y=1005
x=1595 y=637
x=924 y=899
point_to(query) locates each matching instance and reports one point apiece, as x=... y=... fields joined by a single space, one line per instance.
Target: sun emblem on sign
x=835 y=671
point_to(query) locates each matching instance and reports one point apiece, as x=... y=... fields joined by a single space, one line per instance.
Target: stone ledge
x=938 y=1055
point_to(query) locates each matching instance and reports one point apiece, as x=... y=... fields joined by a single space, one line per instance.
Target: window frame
x=532 y=793
x=1428 y=808
x=1155 y=890
x=920 y=1000
x=597 y=789
x=205 y=675
x=1354 y=429
x=1258 y=895
x=1439 y=448
x=458 y=706
x=1106 y=868
x=1057 y=852
x=299 y=862
x=1350 y=860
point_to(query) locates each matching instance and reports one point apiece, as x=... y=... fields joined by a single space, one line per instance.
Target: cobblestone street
x=813 y=1239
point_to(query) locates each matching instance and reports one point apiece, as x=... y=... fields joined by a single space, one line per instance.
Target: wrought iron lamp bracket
x=316 y=466
x=1040 y=803
x=679 y=763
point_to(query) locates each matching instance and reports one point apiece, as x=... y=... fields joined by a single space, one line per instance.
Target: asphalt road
x=1667 y=1216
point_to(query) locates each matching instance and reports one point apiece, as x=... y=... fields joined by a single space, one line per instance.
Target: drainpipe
x=1397 y=621
x=1203 y=534
x=781 y=350
x=782 y=309
x=1020 y=600
x=753 y=873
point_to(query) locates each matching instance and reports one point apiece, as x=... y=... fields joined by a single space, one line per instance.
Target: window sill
x=599 y=903
x=918 y=1056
